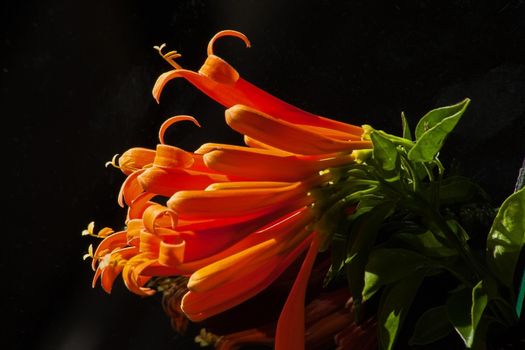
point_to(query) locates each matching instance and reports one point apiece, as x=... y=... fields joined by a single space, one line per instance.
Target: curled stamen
x=222 y=33
x=89 y=253
x=170 y=121
x=170 y=56
x=103 y=233
x=89 y=230
x=113 y=162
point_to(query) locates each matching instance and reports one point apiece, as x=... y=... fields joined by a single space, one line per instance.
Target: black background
x=76 y=82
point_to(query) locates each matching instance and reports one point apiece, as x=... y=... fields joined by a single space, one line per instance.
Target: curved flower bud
x=221 y=82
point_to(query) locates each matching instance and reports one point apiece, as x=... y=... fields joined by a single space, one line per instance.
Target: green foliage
x=389 y=265
x=365 y=230
x=394 y=306
x=436 y=116
x=425 y=243
x=395 y=220
x=465 y=308
x=407 y=134
x=432 y=130
x=507 y=237
x=385 y=154
x=459 y=189
x=431 y=326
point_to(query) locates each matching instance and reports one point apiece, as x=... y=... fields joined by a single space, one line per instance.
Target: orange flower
x=231 y=218
x=222 y=82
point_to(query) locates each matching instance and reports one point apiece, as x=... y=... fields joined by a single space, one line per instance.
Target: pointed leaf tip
x=432 y=130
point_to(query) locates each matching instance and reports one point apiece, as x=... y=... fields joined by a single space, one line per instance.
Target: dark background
x=76 y=82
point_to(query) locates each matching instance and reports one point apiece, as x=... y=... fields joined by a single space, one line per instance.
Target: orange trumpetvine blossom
x=266 y=164
x=231 y=218
x=287 y=136
x=222 y=82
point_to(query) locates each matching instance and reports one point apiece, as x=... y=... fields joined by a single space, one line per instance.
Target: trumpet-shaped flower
x=229 y=219
x=222 y=82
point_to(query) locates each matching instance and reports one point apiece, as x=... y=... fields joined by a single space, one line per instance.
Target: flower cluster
x=230 y=219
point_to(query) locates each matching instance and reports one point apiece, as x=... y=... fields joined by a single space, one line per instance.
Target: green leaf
x=465 y=309
x=385 y=152
x=460 y=189
x=480 y=340
x=395 y=303
x=426 y=243
x=432 y=130
x=431 y=326
x=389 y=265
x=436 y=116
x=362 y=238
x=479 y=303
x=507 y=237
x=458 y=230
x=406 y=129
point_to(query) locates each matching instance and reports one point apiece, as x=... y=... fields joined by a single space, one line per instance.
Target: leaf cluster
x=393 y=222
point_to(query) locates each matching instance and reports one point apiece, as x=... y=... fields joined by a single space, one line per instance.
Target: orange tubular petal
x=269 y=253
x=257 y=144
x=167 y=182
x=263 y=101
x=284 y=135
x=135 y=159
x=221 y=82
x=116 y=263
x=240 y=264
x=209 y=147
x=130 y=189
x=155 y=213
x=171 y=157
x=110 y=243
x=224 y=33
x=260 y=231
x=172 y=254
x=247 y=185
x=136 y=209
x=198 y=165
x=251 y=222
x=212 y=223
x=133 y=230
x=131 y=274
x=290 y=327
x=216 y=90
x=108 y=277
x=149 y=243
x=331 y=133
x=212 y=204
x=172 y=121
x=269 y=167
x=199 y=306
x=96 y=276
x=179 y=246
x=207 y=245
